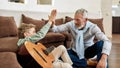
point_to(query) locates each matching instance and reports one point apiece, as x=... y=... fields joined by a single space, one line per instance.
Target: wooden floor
x=114 y=58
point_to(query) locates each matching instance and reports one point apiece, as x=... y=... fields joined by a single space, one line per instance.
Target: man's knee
x=100 y=44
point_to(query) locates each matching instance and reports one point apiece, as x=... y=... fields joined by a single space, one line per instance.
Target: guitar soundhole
x=40 y=55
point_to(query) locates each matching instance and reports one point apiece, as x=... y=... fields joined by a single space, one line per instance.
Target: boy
x=28 y=33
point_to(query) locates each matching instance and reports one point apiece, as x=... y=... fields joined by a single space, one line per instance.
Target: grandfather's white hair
x=82 y=11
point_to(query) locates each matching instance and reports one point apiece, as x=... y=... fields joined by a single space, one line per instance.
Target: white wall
x=64 y=8
x=94 y=6
x=61 y=5
x=106 y=7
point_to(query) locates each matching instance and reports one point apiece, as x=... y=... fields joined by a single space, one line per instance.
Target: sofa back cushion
x=39 y=23
x=99 y=22
x=67 y=19
x=8 y=27
x=8 y=44
x=58 y=21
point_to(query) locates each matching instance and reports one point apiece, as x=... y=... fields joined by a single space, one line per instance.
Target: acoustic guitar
x=37 y=52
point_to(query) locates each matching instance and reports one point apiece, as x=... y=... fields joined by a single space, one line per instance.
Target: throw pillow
x=58 y=21
x=99 y=23
x=67 y=19
x=39 y=23
x=8 y=27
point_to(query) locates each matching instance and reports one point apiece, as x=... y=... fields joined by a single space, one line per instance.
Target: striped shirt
x=38 y=36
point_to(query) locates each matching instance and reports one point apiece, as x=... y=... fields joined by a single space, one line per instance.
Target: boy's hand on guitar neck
x=52 y=16
x=47 y=51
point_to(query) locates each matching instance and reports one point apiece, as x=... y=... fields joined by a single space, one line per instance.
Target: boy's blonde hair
x=24 y=28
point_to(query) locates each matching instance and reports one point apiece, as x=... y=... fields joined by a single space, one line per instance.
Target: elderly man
x=83 y=33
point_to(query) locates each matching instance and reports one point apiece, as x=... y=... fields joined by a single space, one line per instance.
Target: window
x=17 y=1
x=44 y=2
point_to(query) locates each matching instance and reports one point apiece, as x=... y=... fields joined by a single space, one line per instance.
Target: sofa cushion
x=8 y=60
x=8 y=27
x=39 y=23
x=52 y=37
x=67 y=36
x=58 y=21
x=99 y=22
x=8 y=44
x=67 y=19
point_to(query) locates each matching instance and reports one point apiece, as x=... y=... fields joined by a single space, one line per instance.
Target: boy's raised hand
x=52 y=16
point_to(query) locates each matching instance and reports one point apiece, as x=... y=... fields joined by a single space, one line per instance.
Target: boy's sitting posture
x=28 y=33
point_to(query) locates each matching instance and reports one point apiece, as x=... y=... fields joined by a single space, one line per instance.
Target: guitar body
x=36 y=51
